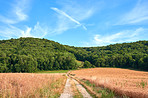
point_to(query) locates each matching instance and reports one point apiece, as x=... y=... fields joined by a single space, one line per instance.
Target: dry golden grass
x=29 y=85
x=122 y=81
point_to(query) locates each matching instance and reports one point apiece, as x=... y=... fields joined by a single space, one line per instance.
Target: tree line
x=126 y=55
x=34 y=54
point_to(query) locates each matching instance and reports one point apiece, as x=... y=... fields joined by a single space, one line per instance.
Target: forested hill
x=34 y=54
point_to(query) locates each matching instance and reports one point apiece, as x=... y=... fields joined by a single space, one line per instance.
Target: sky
x=80 y=23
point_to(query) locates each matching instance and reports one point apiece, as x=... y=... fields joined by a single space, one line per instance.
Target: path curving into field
x=68 y=89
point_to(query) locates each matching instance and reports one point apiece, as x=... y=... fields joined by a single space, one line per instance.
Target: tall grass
x=142 y=84
x=105 y=93
x=122 y=82
x=16 y=85
x=54 y=71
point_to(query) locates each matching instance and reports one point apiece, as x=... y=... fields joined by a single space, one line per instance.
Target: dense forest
x=34 y=54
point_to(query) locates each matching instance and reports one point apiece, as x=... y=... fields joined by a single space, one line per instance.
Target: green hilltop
x=35 y=54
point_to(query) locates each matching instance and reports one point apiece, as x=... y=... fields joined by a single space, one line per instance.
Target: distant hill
x=34 y=54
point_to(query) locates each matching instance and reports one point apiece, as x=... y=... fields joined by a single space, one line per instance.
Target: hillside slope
x=34 y=54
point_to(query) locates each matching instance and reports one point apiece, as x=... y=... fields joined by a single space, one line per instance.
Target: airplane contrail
x=69 y=17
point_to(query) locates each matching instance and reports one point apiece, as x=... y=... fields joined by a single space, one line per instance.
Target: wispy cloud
x=72 y=15
x=14 y=32
x=119 y=37
x=20 y=9
x=9 y=31
x=137 y=15
x=69 y=17
x=7 y=20
x=17 y=13
x=37 y=31
x=26 y=33
x=40 y=30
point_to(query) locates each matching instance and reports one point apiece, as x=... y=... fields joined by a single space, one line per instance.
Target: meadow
x=53 y=71
x=123 y=82
x=31 y=85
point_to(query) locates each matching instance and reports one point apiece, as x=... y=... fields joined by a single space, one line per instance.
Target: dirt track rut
x=68 y=89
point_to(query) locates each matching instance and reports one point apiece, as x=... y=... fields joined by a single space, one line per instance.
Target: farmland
x=30 y=85
x=123 y=82
x=120 y=82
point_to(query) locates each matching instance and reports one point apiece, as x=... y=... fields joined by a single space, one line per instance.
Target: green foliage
x=80 y=63
x=34 y=54
x=105 y=93
x=127 y=55
x=87 y=64
x=142 y=84
x=87 y=82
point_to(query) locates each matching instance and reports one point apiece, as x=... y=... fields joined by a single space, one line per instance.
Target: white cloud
x=17 y=12
x=72 y=14
x=20 y=9
x=81 y=10
x=61 y=26
x=26 y=33
x=40 y=30
x=119 y=37
x=21 y=16
x=123 y=36
x=14 y=32
x=137 y=15
x=69 y=17
x=16 y=15
x=65 y=20
x=139 y=20
x=9 y=32
x=6 y=20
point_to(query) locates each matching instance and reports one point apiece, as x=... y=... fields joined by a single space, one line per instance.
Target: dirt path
x=82 y=90
x=68 y=89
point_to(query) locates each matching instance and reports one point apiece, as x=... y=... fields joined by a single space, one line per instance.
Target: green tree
x=87 y=64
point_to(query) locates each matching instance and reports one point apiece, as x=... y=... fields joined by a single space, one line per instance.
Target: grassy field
x=80 y=63
x=104 y=92
x=54 y=71
x=123 y=82
x=29 y=85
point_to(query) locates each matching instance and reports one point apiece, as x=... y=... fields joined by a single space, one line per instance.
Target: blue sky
x=75 y=22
